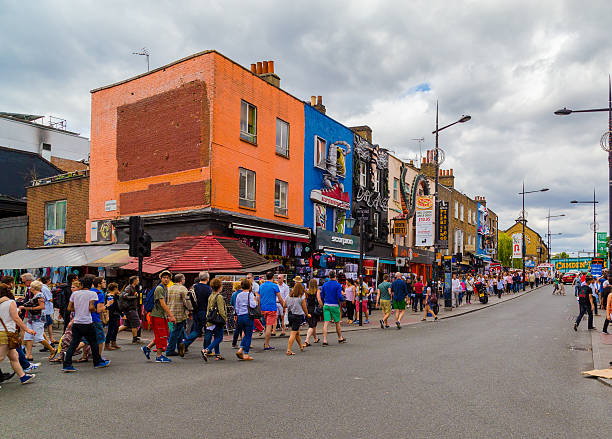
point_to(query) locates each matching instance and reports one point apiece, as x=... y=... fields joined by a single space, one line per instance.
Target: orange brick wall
x=76 y=193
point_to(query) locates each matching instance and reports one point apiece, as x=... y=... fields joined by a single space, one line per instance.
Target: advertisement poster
x=443 y=224
x=53 y=237
x=424 y=221
x=517 y=241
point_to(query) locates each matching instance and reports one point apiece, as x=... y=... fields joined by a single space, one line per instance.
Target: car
x=569 y=277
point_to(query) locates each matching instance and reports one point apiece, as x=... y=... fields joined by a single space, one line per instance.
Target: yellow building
x=535 y=247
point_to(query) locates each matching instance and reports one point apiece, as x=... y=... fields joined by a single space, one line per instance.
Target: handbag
x=318 y=310
x=13 y=337
x=213 y=316
x=254 y=311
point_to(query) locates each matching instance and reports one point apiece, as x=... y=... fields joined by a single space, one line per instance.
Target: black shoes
x=575 y=327
x=382 y=324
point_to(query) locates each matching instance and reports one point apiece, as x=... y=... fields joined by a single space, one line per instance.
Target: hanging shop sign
x=414 y=256
x=340 y=241
x=442 y=224
x=332 y=197
x=101 y=231
x=517 y=241
x=424 y=221
x=400 y=227
x=597 y=266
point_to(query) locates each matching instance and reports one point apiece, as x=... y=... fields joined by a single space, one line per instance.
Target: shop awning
x=117 y=258
x=192 y=254
x=62 y=256
x=262 y=232
x=387 y=261
x=347 y=254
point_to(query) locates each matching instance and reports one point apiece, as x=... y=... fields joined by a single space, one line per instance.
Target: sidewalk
x=602 y=346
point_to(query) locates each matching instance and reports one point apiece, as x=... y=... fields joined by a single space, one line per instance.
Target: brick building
x=58 y=208
x=536 y=249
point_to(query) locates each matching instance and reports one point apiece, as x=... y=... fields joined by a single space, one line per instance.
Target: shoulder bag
x=213 y=316
x=254 y=311
x=13 y=337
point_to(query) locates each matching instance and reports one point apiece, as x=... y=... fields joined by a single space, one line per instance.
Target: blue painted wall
x=318 y=124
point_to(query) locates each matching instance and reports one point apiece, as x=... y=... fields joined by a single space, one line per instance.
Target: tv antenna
x=420 y=140
x=143 y=52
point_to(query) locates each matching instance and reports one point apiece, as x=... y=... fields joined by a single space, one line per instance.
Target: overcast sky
x=509 y=64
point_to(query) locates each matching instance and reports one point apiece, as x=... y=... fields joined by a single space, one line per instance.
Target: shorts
x=331 y=313
x=399 y=304
x=270 y=318
x=295 y=321
x=48 y=320
x=161 y=333
x=385 y=306
x=312 y=320
x=100 y=337
x=39 y=327
x=132 y=319
x=364 y=306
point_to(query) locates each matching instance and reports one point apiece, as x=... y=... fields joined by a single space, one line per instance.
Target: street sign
x=517 y=240
x=424 y=221
x=363 y=214
x=442 y=225
x=400 y=227
x=602 y=245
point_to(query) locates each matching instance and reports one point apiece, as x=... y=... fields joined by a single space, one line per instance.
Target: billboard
x=424 y=221
x=575 y=264
x=602 y=241
x=517 y=241
x=442 y=224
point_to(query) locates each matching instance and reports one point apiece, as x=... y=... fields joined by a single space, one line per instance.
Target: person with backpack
x=216 y=316
x=431 y=302
x=199 y=301
x=114 y=315
x=128 y=305
x=156 y=304
x=246 y=301
x=585 y=300
x=177 y=302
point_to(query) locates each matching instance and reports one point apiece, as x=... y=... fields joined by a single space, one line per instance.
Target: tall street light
x=523 y=221
x=548 y=234
x=606 y=145
x=594 y=203
x=549 y=243
x=463 y=119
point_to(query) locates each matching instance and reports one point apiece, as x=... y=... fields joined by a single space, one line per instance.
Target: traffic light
x=140 y=241
x=458 y=257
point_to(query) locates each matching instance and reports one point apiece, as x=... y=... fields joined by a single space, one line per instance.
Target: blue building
x=328 y=177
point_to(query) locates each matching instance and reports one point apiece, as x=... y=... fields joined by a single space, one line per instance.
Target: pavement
x=509 y=370
x=601 y=345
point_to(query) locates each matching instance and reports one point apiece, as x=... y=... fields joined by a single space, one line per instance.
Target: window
x=280 y=197
x=320 y=149
x=375 y=179
x=248 y=122
x=320 y=216
x=461 y=213
x=469 y=216
x=396 y=189
x=282 y=138
x=456 y=210
x=246 y=189
x=375 y=222
x=362 y=174
x=55 y=215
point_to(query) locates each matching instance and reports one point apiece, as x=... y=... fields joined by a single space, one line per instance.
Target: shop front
x=335 y=251
x=419 y=261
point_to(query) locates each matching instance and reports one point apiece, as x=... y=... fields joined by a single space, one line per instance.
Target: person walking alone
x=383 y=300
x=297 y=311
x=244 y=323
x=314 y=304
x=399 y=291
x=585 y=300
x=331 y=295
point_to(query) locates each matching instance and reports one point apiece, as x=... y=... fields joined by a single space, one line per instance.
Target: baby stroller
x=482 y=292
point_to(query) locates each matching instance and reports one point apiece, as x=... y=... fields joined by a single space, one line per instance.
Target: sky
x=508 y=64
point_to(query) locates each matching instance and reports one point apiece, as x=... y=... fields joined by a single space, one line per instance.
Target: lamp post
x=549 y=242
x=606 y=144
x=523 y=221
x=594 y=202
x=464 y=118
x=548 y=233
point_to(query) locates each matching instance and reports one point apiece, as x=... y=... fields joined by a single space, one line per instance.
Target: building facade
x=536 y=250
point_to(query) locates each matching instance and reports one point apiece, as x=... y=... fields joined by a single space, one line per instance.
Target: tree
x=562 y=255
x=504 y=249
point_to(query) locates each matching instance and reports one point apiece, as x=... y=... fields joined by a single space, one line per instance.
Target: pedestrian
x=160 y=315
x=201 y=293
x=361 y=301
x=431 y=301
x=418 y=295
x=49 y=311
x=297 y=311
x=63 y=298
x=314 y=305
x=531 y=279
x=114 y=316
x=129 y=298
x=399 y=291
x=607 y=288
x=331 y=296
x=349 y=294
x=177 y=302
x=84 y=303
x=244 y=300
x=555 y=286
x=269 y=294
x=236 y=290
x=469 y=289
x=594 y=286
x=216 y=316
x=383 y=300
x=585 y=300
x=35 y=315
x=9 y=340
x=281 y=310
x=456 y=289
x=608 y=313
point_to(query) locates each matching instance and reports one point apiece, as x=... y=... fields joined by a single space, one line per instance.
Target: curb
x=597 y=358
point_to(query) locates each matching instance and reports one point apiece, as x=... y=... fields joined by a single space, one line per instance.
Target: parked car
x=569 y=277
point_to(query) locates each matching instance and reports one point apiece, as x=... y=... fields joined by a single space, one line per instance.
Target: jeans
x=22 y=358
x=237 y=333
x=456 y=296
x=605 y=327
x=218 y=338
x=199 y=321
x=350 y=310
x=113 y=329
x=177 y=334
x=585 y=308
x=80 y=331
x=245 y=324
x=418 y=299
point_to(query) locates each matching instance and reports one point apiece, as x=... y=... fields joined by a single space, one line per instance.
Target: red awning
x=260 y=232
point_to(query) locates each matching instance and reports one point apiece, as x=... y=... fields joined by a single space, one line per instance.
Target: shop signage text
x=442 y=224
x=340 y=241
x=424 y=221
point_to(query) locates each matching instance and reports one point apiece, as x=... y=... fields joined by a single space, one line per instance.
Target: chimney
x=364 y=131
x=319 y=105
x=313 y=101
x=447 y=178
x=254 y=68
x=265 y=70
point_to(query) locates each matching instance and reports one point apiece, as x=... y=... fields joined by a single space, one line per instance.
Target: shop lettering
x=340 y=240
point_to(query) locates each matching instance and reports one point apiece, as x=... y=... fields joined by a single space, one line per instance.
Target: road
x=512 y=370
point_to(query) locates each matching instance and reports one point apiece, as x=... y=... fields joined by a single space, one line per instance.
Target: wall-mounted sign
x=517 y=241
x=597 y=265
x=340 y=241
x=101 y=231
x=332 y=197
x=442 y=225
x=54 y=237
x=602 y=243
x=400 y=227
x=110 y=205
x=424 y=221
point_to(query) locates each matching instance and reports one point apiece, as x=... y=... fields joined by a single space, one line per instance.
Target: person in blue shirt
x=399 y=291
x=331 y=294
x=99 y=283
x=233 y=304
x=269 y=294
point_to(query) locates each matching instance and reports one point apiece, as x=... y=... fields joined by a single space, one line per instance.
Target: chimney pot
x=319 y=100
x=423 y=161
x=313 y=100
x=451 y=172
x=259 y=67
x=271 y=66
x=265 y=67
x=253 y=68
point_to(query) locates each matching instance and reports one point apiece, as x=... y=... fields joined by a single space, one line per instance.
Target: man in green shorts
x=383 y=300
x=331 y=294
x=399 y=291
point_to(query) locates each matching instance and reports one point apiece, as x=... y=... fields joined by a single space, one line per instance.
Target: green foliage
x=562 y=255
x=504 y=249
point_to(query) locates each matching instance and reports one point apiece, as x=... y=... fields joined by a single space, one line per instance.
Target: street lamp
x=523 y=221
x=548 y=234
x=464 y=118
x=549 y=243
x=606 y=144
x=594 y=202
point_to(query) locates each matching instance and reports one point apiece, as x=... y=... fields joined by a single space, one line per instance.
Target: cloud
x=509 y=64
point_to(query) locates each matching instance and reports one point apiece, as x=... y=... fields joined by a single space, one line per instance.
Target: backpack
x=59 y=300
x=149 y=302
x=123 y=302
x=193 y=299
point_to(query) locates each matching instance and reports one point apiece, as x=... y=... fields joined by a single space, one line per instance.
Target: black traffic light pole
x=140 y=243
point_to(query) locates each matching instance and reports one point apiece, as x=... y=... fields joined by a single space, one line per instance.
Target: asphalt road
x=512 y=370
